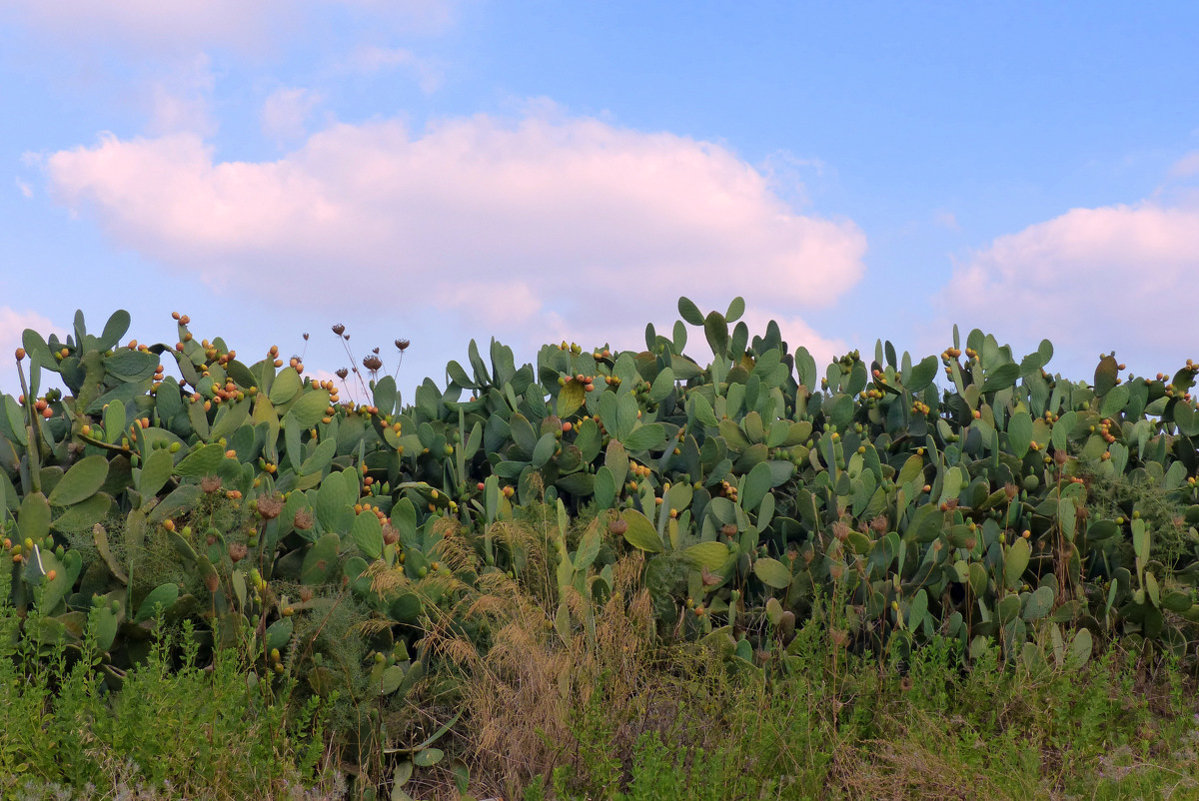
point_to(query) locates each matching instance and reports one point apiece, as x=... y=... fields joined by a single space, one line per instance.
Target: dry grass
x=546 y=652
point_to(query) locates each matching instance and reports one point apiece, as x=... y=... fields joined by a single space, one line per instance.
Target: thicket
x=536 y=577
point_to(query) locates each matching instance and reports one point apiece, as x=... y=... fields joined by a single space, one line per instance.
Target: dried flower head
x=372 y=363
x=402 y=344
x=339 y=329
x=237 y=552
x=269 y=508
x=303 y=519
x=342 y=372
x=210 y=484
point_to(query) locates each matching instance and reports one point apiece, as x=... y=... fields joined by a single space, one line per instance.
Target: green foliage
x=176 y=728
x=1003 y=507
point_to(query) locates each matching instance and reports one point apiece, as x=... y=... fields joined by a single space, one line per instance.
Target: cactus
x=756 y=488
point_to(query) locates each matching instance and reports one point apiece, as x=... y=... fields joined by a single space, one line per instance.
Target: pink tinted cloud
x=181 y=26
x=1093 y=279
x=149 y=24
x=13 y=323
x=286 y=111
x=548 y=220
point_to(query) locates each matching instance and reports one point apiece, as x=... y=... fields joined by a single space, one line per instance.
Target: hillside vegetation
x=599 y=575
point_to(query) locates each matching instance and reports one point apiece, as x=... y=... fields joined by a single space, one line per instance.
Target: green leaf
x=320 y=560
x=1019 y=432
x=1067 y=517
x=384 y=394
x=131 y=366
x=979 y=581
x=287 y=383
x=716 y=330
x=310 y=408
x=1038 y=604
x=570 y=398
x=1115 y=400
x=390 y=681
x=1186 y=418
x=82 y=481
x=1001 y=377
x=588 y=550
x=711 y=555
x=544 y=449
x=1152 y=589
x=1106 y=375
x=15 y=418
x=278 y=634
x=912 y=469
x=640 y=532
x=335 y=499
x=735 y=310
x=229 y=419
x=182 y=497
x=663 y=385
x=85 y=514
x=647 y=437
x=690 y=312
x=114 y=329
x=1015 y=562
x=368 y=535
x=757 y=484
x=921 y=375
x=701 y=410
x=454 y=371
x=106 y=629
x=918 y=608
x=772 y=573
x=1080 y=648
x=115 y=421
x=427 y=757
x=163 y=596
x=203 y=461
x=605 y=488
x=1140 y=539
x=33 y=520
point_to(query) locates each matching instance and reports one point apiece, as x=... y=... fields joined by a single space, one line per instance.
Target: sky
x=441 y=170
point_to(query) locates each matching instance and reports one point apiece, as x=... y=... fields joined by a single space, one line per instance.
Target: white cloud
x=286 y=111
x=1092 y=279
x=178 y=25
x=181 y=101
x=946 y=219
x=25 y=189
x=1186 y=166
x=12 y=325
x=184 y=26
x=537 y=225
x=368 y=59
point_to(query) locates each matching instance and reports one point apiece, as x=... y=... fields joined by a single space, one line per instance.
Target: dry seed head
x=269 y=508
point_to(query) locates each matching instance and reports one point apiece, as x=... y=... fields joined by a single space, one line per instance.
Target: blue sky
x=439 y=170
